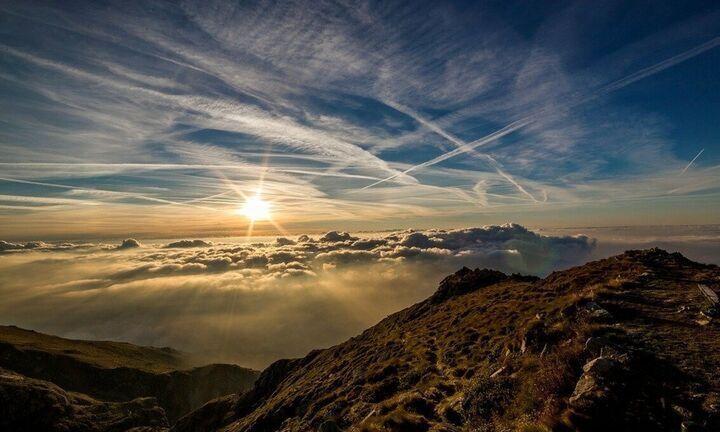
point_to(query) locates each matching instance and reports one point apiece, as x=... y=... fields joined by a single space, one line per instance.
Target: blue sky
x=158 y=118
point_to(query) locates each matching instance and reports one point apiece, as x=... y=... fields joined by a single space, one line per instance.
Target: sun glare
x=255 y=209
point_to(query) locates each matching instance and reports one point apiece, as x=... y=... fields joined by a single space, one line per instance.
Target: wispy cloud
x=159 y=104
x=574 y=101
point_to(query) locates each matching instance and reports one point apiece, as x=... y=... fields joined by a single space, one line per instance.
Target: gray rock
x=597 y=312
x=598 y=384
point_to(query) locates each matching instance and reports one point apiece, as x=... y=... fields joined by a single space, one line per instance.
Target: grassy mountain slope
x=101 y=354
x=624 y=343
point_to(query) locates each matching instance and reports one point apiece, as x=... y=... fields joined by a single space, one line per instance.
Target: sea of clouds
x=252 y=303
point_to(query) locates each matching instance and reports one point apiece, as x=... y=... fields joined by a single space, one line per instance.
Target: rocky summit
x=631 y=342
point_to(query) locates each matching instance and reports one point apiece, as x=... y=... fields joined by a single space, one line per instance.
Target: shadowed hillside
x=625 y=343
x=28 y=404
x=120 y=372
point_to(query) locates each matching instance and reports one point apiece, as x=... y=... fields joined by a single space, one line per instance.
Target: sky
x=153 y=119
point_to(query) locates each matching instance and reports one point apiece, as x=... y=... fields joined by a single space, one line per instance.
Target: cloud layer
x=255 y=302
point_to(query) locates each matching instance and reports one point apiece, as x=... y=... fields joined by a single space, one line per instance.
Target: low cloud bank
x=188 y=244
x=253 y=303
x=510 y=248
x=7 y=246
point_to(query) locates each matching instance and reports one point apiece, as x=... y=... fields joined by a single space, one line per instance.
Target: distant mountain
x=630 y=342
x=110 y=372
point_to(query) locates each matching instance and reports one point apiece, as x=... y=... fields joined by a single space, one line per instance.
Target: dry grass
x=429 y=367
x=103 y=354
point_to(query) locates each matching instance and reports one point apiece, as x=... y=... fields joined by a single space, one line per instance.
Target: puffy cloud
x=290 y=269
x=417 y=239
x=404 y=252
x=282 y=241
x=129 y=244
x=368 y=243
x=7 y=246
x=346 y=257
x=256 y=261
x=335 y=236
x=285 y=256
x=188 y=244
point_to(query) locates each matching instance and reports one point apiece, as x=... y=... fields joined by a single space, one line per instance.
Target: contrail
x=120 y=194
x=518 y=124
x=176 y=166
x=658 y=67
x=512 y=127
x=691 y=162
x=420 y=119
x=460 y=144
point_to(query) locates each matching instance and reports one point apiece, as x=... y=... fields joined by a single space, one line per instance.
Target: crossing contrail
x=512 y=127
x=521 y=123
x=460 y=144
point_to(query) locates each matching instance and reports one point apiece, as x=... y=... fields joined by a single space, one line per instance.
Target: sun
x=255 y=208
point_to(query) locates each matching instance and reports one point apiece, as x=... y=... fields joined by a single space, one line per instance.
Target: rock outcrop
x=599 y=392
x=465 y=281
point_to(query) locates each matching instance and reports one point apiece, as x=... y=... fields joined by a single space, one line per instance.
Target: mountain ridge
x=494 y=352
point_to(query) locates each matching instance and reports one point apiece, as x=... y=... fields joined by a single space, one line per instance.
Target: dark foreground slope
x=619 y=344
x=119 y=372
x=28 y=404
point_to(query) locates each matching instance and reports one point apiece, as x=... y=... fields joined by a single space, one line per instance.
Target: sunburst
x=255 y=209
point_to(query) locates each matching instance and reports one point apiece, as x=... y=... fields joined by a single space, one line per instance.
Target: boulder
x=599 y=391
x=597 y=313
